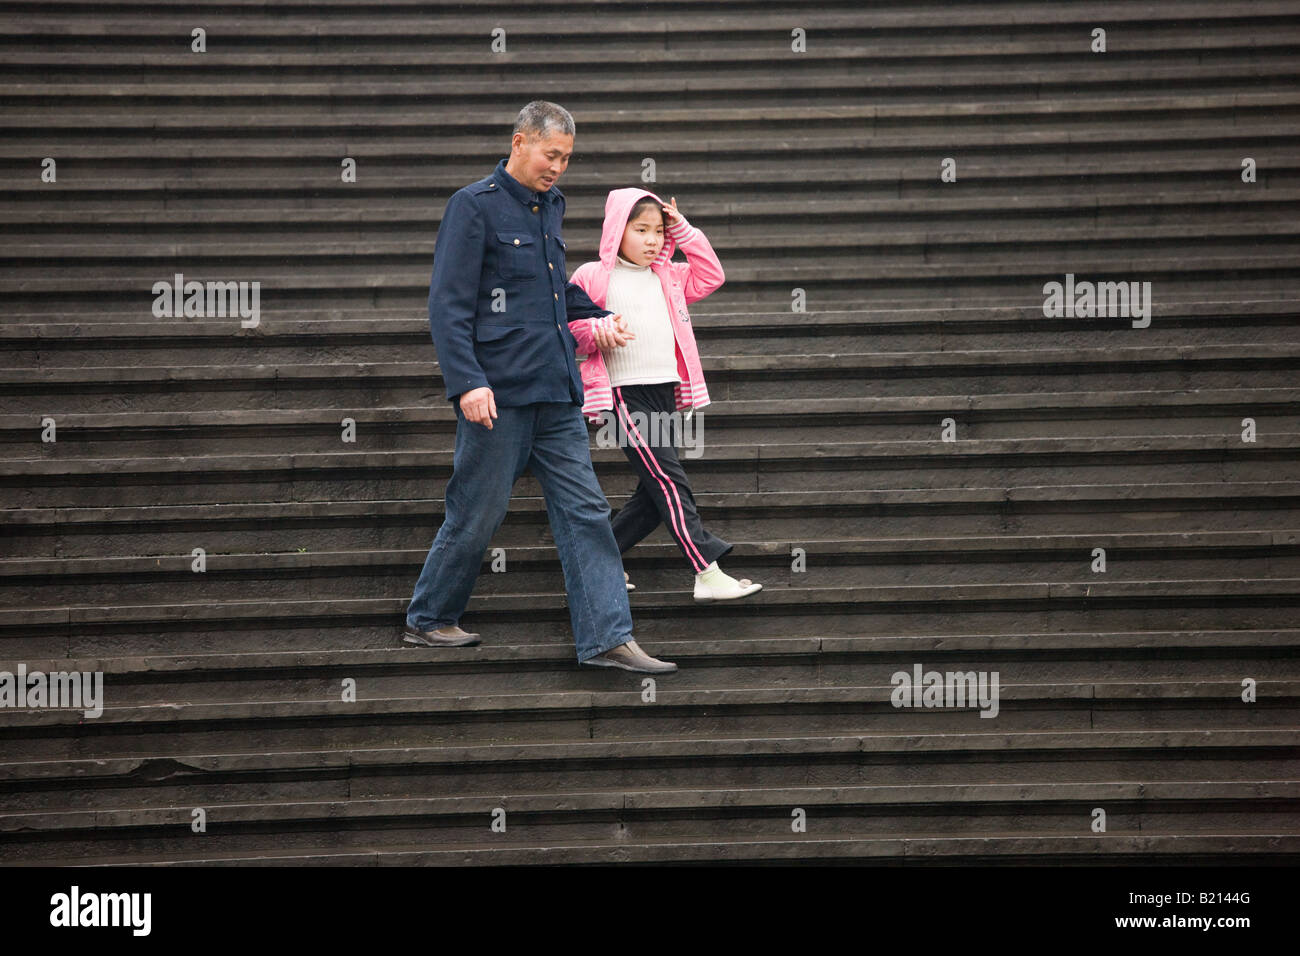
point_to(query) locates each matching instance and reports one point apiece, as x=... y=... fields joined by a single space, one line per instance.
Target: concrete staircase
x=1119 y=691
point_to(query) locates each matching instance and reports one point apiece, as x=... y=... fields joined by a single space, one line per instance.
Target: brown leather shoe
x=630 y=657
x=443 y=637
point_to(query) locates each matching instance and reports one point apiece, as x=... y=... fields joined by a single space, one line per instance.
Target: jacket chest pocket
x=516 y=255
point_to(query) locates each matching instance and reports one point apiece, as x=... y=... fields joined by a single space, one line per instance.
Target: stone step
x=320 y=81
x=215 y=118
x=1152 y=27
x=250 y=50
x=720 y=192
x=1015 y=19
x=1027 y=179
x=772 y=516
x=838 y=466
x=811 y=661
x=658 y=566
x=881 y=321
x=1029 y=270
x=336 y=269
x=831 y=284
x=1041 y=811
x=1096 y=133
x=973 y=757
x=978 y=849
x=176 y=728
x=756 y=422
x=1203 y=206
x=900 y=15
x=373 y=622
x=86 y=251
x=153 y=344
x=730 y=377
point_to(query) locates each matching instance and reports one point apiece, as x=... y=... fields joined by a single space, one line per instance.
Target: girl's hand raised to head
x=671 y=210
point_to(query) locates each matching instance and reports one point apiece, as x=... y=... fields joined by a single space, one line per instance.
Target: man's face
x=538 y=162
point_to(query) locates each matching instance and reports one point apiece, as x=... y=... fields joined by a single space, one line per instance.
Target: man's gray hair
x=542 y=118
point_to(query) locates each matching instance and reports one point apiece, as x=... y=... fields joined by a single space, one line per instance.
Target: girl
x=641 y=364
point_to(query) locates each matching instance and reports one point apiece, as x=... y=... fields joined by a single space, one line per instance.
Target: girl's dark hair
x=642 y=203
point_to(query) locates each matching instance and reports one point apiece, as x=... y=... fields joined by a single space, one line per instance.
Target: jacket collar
x=517 y=189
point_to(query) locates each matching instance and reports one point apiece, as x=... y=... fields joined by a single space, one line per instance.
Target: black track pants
x=663 y=493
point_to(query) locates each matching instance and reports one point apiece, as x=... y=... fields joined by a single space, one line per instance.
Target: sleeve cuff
x=681 y=231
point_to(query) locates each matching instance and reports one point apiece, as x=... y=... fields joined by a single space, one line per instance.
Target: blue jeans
x=551 y=439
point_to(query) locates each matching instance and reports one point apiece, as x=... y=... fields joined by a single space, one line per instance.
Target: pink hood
x=618 y=206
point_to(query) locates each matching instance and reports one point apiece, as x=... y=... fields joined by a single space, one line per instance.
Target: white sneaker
x=630 y=585
x=727 y=592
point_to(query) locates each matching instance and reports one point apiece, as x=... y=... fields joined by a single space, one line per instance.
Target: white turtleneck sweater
x=650 y=358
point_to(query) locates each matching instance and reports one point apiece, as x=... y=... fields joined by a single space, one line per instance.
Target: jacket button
x=516 y=242
x=534 y=209
x=556 y=296
x=550 y=266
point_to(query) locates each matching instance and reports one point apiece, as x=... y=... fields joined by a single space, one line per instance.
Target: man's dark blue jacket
x=500 y=301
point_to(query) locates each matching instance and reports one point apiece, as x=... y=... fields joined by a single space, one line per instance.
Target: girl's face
x=643 y=237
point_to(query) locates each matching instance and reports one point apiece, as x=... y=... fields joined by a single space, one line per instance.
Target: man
x=499 y=306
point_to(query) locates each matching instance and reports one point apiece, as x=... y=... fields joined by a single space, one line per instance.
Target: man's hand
x=479 y=406
x=613 y=338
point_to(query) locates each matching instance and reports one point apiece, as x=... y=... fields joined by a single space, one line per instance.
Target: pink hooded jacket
x=682 y=282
